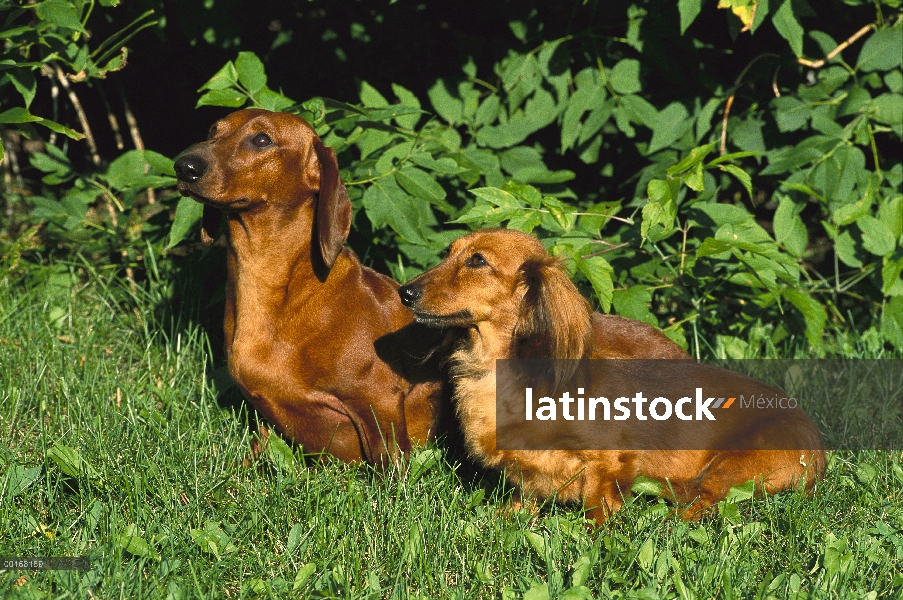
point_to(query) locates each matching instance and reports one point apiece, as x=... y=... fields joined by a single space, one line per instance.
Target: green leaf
x=212 y=539
x=423 y=462
x=741 y=493
x=60 y=12
x=70 y=461
x=229 y=98
x=660 y=211
x=420 y=184
x=813 y=312
x=646 y=555
x=580 y=592
x=280 y=454
x=882 y=51
x=407 y=98
x=624 y=77
x=790 y=113
x=710 y=246
x=387 y=204
x=448 y=107
x=892 y=284
x=877 y=237
x=18 y=479
x=892 y=321
x=692 y=159
x=134 y=544
x=294 y=538
x=689 y=10
x=888 y=109
x=845 y=247
x=131 y=170
x=18 y=115
x=537 y=591
x=370 y=96
x=742 y=176
x=789 y=230
x=600 y=275
x=633 y=303
x=497 y=197
x=787 y=25
x=250 y=72
x=891 y=214
x=24 y=82
x=274 y=101
x=671 y=124
x=304 y=573
x=226 y=77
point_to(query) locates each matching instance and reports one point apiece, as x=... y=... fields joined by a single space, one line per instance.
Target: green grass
x=113 y=444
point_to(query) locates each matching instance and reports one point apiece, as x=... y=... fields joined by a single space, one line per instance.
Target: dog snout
x=410 y=294
x=190 y=168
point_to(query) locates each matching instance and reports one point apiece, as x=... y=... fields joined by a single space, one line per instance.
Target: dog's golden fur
x=509 y=299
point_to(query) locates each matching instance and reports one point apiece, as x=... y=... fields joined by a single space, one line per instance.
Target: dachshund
x=505 y=297
x=320 y=345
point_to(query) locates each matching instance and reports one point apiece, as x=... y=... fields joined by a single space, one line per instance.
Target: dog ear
x=555 y=321
x=210 y=222
x=333 y=214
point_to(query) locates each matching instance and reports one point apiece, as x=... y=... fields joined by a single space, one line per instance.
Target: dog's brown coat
x=303 y=317
x=510 y=299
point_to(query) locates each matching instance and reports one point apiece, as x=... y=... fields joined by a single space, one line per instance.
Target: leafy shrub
x=761 y=204
x=689 y=244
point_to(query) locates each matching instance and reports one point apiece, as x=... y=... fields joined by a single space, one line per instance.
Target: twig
x=82 y=117
x=114 y=122
x=609 y=249
x=817 y=64
x=730 y=99
x=136 y=138
x=774 y=83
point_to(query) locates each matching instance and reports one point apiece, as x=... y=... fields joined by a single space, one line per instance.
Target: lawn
x=116 y=444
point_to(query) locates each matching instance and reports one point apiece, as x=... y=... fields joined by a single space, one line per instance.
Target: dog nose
x=410 y=294
x=190 y=168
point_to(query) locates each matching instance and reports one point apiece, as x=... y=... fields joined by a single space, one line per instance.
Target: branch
x=730 y=99
x=82 y=117
x=817 y=64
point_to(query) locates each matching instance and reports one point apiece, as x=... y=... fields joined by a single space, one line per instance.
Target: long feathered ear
x=555 y=321
x=210 y=222
x=333 y=219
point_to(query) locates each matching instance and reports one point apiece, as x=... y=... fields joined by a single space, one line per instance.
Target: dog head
x=261 y=160
x=507 y=279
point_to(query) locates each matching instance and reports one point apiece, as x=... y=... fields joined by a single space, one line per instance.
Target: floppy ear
x=333 y=217
x=210 y=221
x=555 y=321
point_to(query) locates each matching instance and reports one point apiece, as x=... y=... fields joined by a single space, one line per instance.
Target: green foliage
x=757 y=199
x=682 y=245
x=51 y=35
x=106 y=212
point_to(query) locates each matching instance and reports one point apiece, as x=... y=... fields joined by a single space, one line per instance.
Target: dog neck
x=271 y=275
x=269 y=249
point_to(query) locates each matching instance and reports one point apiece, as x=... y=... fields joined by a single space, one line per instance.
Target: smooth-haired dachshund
x=314 y=340
x=508 y=298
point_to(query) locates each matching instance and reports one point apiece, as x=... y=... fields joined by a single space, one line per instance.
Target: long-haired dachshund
x=507 y=299
x=314 y=340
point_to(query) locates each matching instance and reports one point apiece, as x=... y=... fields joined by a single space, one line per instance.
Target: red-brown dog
x=314 y=340
x=510 y=299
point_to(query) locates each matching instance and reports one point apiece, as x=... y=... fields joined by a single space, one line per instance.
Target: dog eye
x=476 y=261
x=261 y=140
